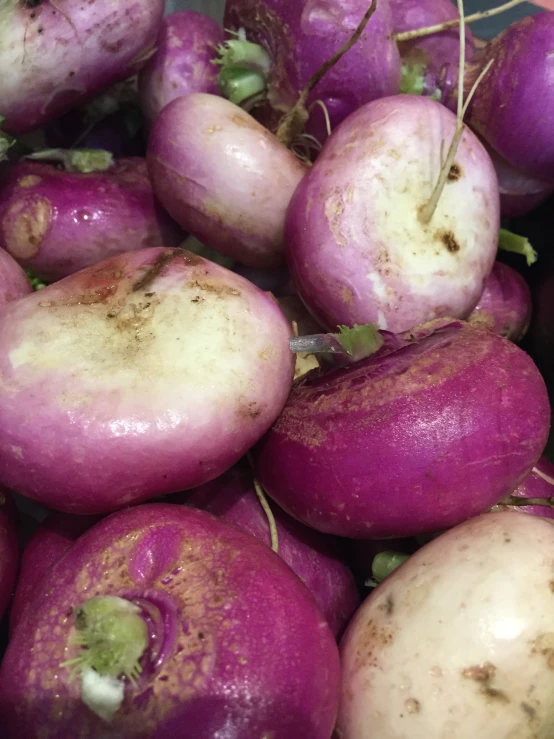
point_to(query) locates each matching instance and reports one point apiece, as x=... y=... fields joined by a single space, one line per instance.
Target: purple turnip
x=370 y=236
x=9 y=549
x=156 y=371
x=513 y=107
x=57 y=54
x=14 y=283
x=223 y=177
x=457 y=641
x=52 y=538
x=538 y=486
x=411 y=440
x=162 y=621
x=318 y=560
x=57 y=222
x=287 y=43
x=183 y=63
x=505 y=305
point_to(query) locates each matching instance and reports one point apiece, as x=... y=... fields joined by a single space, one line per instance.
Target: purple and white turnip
x=156 y=371
x=162 y=621
x=14 y=283
x=58 y=222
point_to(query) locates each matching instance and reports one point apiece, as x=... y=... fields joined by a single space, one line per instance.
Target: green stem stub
x=386 y=562
x=83 y=161
x=36 y=282
x=112 y=635
x=508 y=241
x=352 y=343
x=244 y=69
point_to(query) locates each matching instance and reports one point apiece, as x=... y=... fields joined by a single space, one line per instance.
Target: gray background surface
x=485 y=29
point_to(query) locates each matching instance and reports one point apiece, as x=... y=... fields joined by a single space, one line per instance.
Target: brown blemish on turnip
x=165 y=258
x=412 y=706
x=455 y=173
x=551 y=586
x=484 y=675
x=528 y=710
x=29 y=180
x=25 y=225
x=449 y=240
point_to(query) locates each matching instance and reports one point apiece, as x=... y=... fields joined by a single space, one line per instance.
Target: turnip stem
x=508 y=241
x=269 y=513
x=429 y=30
x=293 y=122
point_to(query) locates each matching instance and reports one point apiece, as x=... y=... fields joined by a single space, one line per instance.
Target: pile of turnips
x=275 y=372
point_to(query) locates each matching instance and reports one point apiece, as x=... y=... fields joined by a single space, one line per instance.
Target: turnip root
x=359 y=245
x=183 y=63
x=57 y=54
x=411 y=440
x=156 y=371
x=14 y=283
x=539 y=486
x=505 y=305
x=51 y=539
x=223 y=177
x=9 y=549
x=58 y=222
x=194 y=630
x=318 y=560
x=457 y=641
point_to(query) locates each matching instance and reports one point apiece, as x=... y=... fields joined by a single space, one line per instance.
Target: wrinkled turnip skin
x=186 y=45
x=301 y=36
x=510 y=108
x=57 y=223
x=9 y=549
x=156 y=371
x=223 y=177
x=458 y=641
x=14 y=283
x=318 y=560
x=249 y=651
x=356 y=248
x=409 y=441
x=505 y=305
x=57 y=54
x=51 y=539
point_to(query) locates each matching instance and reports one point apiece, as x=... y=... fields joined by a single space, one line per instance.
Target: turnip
x=56 y=222
x=9 y=549
x=54 y=55
x=411 y=440
x=371 y=236
x=149 y=373
x=52 y=538
x=194 y=630
x=287 y=43
x=318 y=560
x=457 y=641
x=430 y=63
x=537 y=488
x=223 y=177
x=14 y=283
x=505 y=305
x=513 y=107
x=183 y=63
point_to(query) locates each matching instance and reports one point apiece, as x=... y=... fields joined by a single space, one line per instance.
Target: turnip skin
x=318 y=560
x=14 y=283
x=245 y=648
x=58 y=54
x=411 y=440
x=57 y=223
x=155 y=372
x=458 y=641
x=224 y=177
x=185 y=48
x=356 y=246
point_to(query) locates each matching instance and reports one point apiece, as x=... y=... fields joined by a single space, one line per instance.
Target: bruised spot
x=528 y=710
x=165 y=258
x=389 y=605
x=449 y=240
x=112 y=48
x=412 y=706
x=25 y=225
x=551 y=586
x=245 y=121
x=455 y=173
x=484 y=675
x=29 y=180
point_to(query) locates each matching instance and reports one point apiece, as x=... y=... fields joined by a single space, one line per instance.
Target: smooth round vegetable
x=57 y=223
x=156 y=371
x=234 y=644
x=358 y=246
x=410 y=440
x=223 y=177
x=458 y=640
x=53 y=537
x=54 y=56
x=505 y=305
x=14 y=283
x=513 y=106
x=183 y=63
x=318 y=560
